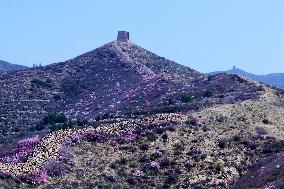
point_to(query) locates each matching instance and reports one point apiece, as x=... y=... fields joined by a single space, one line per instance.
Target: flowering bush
x=67 y=156
x=138 y=173
x=24 y=149
x=154 y=165
x=93 y=136
x=196 y=122
x=37 y=178
x=188 y=164
x=114 y=143
x=55 y=168
x=166 y=162
x=128 y=135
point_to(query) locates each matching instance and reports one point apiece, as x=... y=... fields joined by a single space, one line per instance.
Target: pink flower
x=114 y=143
x=155 y=165
x=28 y=141
x=132 y=137
x=138 y=173
x=24 y=148
x=76 y=139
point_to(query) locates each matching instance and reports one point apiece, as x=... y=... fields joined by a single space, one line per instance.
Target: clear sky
x=207 y=35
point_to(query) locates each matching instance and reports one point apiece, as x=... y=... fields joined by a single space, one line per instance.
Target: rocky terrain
x=122 y=117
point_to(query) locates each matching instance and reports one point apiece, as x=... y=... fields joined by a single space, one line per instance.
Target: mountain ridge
x=275 y=79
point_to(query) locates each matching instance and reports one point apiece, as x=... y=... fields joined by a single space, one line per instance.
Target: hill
x=7 y=67
x=133 y=120
x=118 y=79
x=274 y=79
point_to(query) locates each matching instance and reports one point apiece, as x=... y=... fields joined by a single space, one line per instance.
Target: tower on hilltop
x=123 y=36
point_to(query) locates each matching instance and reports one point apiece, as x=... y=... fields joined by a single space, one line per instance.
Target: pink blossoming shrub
x=76 y=139
x=113 y=143
x=93 y=137
x=138 y=173
x=128 y=135
x=55 y=168
x=37 y=178
x=197 y=122
x=24 y=149
x=28 y=141
x=154 y=165
x=67 y=156
x=188 y=165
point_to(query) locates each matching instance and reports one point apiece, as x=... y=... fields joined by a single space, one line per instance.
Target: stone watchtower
x=123 y=36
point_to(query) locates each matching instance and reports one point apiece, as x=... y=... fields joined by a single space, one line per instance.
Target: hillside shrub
x=265 y=121
x=67 y=156
x=236 y=138
x=53 y=118
x=172 y=178
x=208 y=93
x=37 y=178
x=168 y=102
x=39 y=127
x=166 y=162
x=144 y=147
x=55 y=168
x=261 y=131
x=185 y=98
x=54 y=122
x=41 y=83
x=223 y=143
x=24 y=149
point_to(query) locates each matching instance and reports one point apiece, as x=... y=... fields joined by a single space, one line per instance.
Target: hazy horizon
x=206 y=36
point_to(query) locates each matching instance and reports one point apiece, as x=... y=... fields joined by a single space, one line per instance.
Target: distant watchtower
x=123 y=36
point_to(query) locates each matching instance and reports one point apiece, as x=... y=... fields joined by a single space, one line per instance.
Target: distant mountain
x=7 y=67
x=274 y=79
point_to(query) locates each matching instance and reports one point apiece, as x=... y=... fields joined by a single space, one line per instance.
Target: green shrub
x=41 y=83
x=39 y=127
x=54 y=128
x=52 y=118
x=144 y=147
x=168 y=102
x=54 y=122
x=186 y=98
x=223 y=143
x=208 y=93
x=236 y=138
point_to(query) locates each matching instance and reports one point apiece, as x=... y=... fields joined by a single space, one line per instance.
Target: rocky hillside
x=209 y=148
x=134 y=120
x=118 y=79
x=7 y=67
x=274 y=79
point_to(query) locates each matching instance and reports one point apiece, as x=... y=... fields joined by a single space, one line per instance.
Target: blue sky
x=206 y=35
